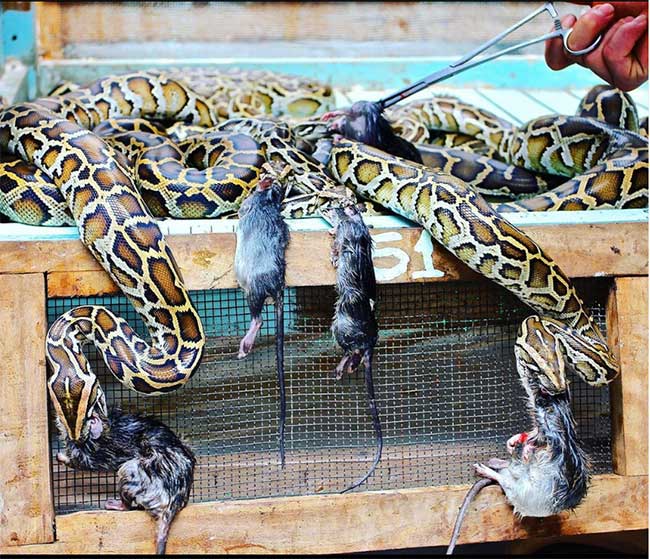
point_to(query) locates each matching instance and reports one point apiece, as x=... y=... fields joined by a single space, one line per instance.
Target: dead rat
x=354 y=326
x=155 y=469
x=262 y=238
x=548 y=469
x=364 y=122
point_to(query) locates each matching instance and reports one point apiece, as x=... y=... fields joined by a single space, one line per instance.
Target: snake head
x=540 y=359
x=79 y=404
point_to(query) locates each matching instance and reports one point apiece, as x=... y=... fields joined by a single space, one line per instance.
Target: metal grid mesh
x=445 y=378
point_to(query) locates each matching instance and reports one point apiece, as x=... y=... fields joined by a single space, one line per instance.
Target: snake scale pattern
x=111 y=155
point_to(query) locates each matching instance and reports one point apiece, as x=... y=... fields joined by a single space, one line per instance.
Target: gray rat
x=260 y=263
x=548 y=468
x=155 y=469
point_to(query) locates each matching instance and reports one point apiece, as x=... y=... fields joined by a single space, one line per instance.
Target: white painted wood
x=557 y=101
x=19 y=232
x=515 y=102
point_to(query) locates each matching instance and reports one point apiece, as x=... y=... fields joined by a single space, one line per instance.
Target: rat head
x=274 y=179
x=364 y=122
x=342 y=209
x=79 y=404
x=269 y=191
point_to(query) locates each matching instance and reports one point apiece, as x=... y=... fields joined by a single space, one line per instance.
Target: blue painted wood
x=2 y=48
x=18 y=36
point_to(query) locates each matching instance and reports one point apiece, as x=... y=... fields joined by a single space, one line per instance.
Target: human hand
x=621 y=57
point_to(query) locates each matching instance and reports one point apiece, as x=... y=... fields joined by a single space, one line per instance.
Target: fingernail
x=604 y=9
x=641 y=20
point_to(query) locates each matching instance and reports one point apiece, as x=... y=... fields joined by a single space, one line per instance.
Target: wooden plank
x=49 y=34
x=26 y=508
x=348 y=523
x=291 y=21
x=627 y=316
x=401 y=255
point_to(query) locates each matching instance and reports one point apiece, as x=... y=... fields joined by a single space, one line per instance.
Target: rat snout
x=525 y=439
x=335 y=121
x=62 y=458
x=265 y=183
x=518 y=439
x=336 y=125
x=331 y=114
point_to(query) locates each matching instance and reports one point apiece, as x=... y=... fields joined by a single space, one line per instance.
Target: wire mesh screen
x=445 y=379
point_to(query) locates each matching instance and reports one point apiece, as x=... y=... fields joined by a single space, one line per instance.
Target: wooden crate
x=371 y=520
x=33 y=270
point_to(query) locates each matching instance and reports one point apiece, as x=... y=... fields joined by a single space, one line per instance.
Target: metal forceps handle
x=465 y=63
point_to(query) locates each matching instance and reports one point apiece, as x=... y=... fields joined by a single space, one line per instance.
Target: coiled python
x=53 y=134
x=600 y=151
x=94 y=178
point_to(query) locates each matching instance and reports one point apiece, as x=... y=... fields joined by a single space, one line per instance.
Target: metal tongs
x=465 y=63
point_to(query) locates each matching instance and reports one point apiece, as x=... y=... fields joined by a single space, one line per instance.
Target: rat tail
x=279 y=354
x=164 y=523
x=473 y=492
x=376 y=423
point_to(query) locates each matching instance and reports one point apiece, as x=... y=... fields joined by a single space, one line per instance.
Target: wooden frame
x=31 y=271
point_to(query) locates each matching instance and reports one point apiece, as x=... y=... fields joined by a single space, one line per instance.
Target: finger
x=626 y=52
x=624 y=38
x=554 y=53
x=590 y=25
x=624 y=9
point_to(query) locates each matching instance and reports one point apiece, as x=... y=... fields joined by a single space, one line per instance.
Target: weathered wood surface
x=26 y=509
x=306 y=471
x=48 y=20
x=263 y=21
x=363 y=521
x=401 y=255
x=627 y=316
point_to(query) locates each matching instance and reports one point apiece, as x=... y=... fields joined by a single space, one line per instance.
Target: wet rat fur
x=155 y=469
x=354 y=325
x=548 y=469
x=260 y=262
x=364 y=122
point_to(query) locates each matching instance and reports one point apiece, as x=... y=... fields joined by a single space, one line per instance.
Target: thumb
x=590 y=25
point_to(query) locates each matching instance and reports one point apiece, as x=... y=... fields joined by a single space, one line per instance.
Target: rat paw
x=484 y=471
x=115 y=504
x=497 y=463
x=62 y=458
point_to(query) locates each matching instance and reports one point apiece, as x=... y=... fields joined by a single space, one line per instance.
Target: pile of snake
x=116 y=154
x=603 y=151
